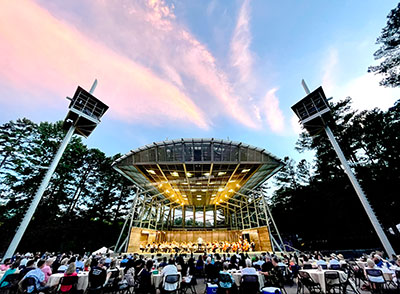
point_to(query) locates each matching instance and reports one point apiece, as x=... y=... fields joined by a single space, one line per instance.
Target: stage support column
x=215 y=216
x=194 y=216
x=183 y=216
x=204 y=216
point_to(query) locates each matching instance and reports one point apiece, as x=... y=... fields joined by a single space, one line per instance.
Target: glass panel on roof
x=243 y=154
x=152 y=155
x=169 y=153
x=161 y=153
x=234 y=154
x=226 y=153
x=217 y=152
x=197 y=151
x=188 y=151
x=206 y=149
x=178 y=149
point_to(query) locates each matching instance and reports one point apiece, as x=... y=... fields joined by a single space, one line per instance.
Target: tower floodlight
x=84 y=115
x=315 y=115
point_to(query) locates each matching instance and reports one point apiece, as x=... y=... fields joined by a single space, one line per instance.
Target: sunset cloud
x=241 y=57
x=45 y=54
x=273 y=113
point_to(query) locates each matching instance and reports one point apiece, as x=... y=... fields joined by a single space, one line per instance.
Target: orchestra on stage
x=199 y=246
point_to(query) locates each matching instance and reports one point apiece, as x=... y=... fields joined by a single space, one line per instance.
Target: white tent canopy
x=103 y=250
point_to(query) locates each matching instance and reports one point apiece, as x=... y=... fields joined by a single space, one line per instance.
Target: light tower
x=315 y=114
x=85 y=112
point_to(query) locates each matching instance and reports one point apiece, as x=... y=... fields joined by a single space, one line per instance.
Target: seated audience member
x=86 y=265
x=333 y=260
x=6 y=265
x=30 y=265
x=12 y=270
x=321 y=261
x=225 y=279
x=249 y=269
x=372 y=265
x=170 y=269
x=210 y=270
x=129 y=270
x=98 y=274
x=64 y=265
x=107 y=261
x=267 y=265
x=124 y=261
x=164 y=262
x=144 y=278
x=70 y=272
x=39 y=277
x=47 y=269
x=378 y=260
x=79 y=263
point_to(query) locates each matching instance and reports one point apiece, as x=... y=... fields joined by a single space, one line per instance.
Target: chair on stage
x=307 y=266
x=334 y=266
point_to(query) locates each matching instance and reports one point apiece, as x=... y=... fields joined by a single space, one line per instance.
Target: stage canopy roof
x=198 y=172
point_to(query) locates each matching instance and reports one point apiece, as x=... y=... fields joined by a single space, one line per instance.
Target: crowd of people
x=106 y=271
x=193 y=247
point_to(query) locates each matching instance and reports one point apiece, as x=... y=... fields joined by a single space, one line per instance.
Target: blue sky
x=173 y=69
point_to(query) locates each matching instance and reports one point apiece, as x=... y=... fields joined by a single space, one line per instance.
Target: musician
x=199 y=243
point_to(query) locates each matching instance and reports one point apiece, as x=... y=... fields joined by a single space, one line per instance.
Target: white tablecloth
x=83 y=280
x=319 y=276
x=237 y=276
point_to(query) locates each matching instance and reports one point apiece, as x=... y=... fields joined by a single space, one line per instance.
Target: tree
x=389 y=50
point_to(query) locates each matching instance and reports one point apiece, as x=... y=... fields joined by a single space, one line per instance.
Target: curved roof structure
x=198 y=172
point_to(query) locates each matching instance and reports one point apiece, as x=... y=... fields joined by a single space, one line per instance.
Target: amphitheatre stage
x=192 y=191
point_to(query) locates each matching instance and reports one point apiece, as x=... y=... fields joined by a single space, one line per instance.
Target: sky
x=189 y=69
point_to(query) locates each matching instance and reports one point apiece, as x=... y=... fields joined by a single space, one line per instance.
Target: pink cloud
x=150 y=67
x=241 y=57
x=150 y=34
x=273 y=113
x=42 y=54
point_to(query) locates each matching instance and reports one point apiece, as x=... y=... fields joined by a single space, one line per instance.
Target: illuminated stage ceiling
x=198 y=172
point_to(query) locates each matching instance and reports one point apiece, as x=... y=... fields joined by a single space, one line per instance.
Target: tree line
x=84 y=204
x=315 y=204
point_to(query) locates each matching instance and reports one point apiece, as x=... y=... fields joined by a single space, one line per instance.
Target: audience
x=13 y=269
x=70 y=272
x=137 y=269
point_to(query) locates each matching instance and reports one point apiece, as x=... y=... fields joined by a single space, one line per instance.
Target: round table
x=83 y=280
